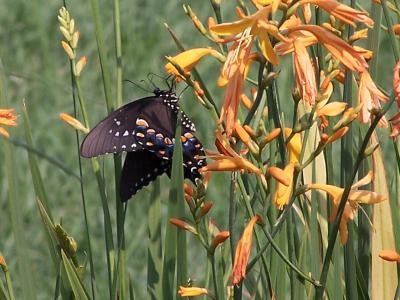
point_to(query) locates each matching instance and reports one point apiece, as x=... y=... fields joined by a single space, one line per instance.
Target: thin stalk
x=102 y=53
x=10 y=289
x=117 y=159
x=211 y=257
x=44 y=156
x=87 y=232
x=101 y=185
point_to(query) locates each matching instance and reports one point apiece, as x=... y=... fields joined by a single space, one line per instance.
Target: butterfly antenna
x=181 y=93
x=138 y=85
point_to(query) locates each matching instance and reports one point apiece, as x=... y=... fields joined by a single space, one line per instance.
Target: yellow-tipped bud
x=62 y=22
x=73 y=122
x=4 y=133
x=66 y=33
x=68 y=50
x=71 y=26
x=75 y=39
x=80 y=65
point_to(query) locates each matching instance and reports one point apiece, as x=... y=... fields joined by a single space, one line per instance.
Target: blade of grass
x=383 y=282
x=154 y=250
x=102 y=54
x=3 y=295
x=175 y=239
x=74 y=280
x=117 y=158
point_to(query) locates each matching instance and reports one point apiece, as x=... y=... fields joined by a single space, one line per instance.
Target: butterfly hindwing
x=140 y=168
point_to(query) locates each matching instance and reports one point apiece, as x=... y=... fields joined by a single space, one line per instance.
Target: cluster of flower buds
x=67 y=28
x=199 y=208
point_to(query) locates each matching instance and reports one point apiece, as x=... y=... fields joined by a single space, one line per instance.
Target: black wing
x=140 y=168
x=143 y=124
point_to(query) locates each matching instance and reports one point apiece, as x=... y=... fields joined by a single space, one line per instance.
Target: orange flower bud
x=246 y=101
x=2 y=261
x=73 y=122
x=219 y=239
x=396 y=29
x=204 y=209
x=338 y=134
x=271 y=136
x=182 y=225
x=389 y=255
x=279 y=175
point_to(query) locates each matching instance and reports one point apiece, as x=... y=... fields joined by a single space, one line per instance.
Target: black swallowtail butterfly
x=145 y=129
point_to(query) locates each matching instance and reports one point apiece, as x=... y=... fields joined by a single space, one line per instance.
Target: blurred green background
x=37 y=72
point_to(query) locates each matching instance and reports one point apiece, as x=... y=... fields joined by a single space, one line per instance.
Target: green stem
x=102 y=54
x=211 y=257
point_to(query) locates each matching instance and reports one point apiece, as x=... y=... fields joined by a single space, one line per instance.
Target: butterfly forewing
x=127 y=129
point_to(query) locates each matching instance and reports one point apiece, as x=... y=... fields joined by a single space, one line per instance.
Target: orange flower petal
x=341 y=11
x=242 y=253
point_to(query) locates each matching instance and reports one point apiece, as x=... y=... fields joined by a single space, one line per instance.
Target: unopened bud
x=80 y=65
x=68 y=50
x=183 y=225
x=204 y=209
x=65 y=33
x=218 y=240
x=75 y=39
x=73 y=122
x=71 y=26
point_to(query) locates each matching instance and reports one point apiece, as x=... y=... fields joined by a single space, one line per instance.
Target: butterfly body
x=145 y=129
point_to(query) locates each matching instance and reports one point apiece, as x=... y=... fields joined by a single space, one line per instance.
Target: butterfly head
x=168 y=96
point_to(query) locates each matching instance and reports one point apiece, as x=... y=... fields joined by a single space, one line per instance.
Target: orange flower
x=187 y=60
x=355 y=197
x=341 y=11
x=228 y=160
x=304 y=73
x=369 y=95
x=282 y=191
x=342 y=51
x=294 y=145
x=253 y=25
x=233 y=76
x=192 y=291
x=7 y=118
x=242 y=253
x=390 y=255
